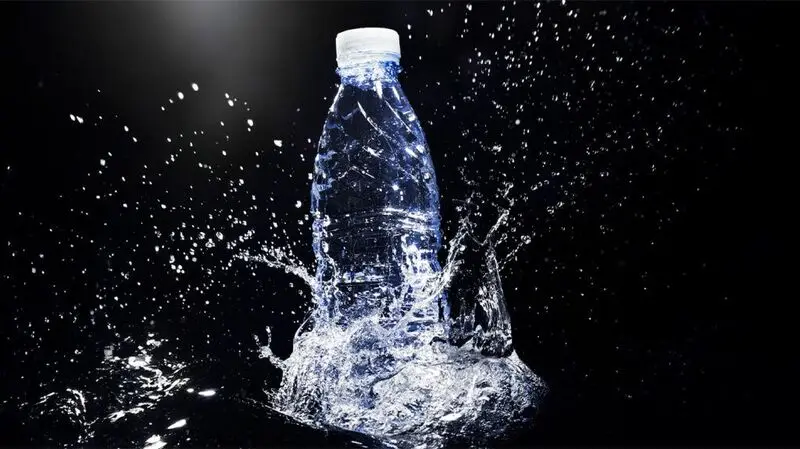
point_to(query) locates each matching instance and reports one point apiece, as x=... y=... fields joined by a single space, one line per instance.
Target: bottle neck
x=368 y=72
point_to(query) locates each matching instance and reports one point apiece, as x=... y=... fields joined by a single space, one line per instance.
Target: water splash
x=425 y=392
x=130 y=380
x=171 y=238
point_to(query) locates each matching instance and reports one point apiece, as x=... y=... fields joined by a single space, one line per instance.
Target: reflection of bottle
x=374 y=197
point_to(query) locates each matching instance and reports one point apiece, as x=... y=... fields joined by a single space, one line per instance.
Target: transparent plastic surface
x=375 y=205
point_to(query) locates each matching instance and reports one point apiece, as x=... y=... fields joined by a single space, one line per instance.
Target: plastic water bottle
x=374 y=197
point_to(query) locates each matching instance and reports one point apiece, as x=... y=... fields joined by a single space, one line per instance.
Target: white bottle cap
x=367 y=44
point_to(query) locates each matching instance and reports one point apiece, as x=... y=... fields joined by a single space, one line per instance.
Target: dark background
x=690 y=337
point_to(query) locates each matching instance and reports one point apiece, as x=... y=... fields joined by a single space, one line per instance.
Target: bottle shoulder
x=376 y=99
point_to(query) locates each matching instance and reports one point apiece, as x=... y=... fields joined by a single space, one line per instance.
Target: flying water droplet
x=177 y=424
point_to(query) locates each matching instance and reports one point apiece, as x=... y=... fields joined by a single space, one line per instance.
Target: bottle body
x=375 y=205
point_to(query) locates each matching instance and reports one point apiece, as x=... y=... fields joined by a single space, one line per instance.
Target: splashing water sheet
x=214 y=282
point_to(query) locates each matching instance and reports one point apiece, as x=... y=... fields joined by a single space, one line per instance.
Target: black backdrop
x=697 y=358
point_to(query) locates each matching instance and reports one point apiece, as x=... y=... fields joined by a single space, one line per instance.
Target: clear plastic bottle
x=374 y=197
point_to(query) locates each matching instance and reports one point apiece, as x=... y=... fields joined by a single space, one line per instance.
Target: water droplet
x=177 y=424
x=249 y=122
x=180 y=95
x=156 y=445
x=195 y=87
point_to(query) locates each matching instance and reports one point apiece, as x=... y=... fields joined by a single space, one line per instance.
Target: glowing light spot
x=278 y=143
x=180 y=95
x=207 y=393
x=195 y=87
